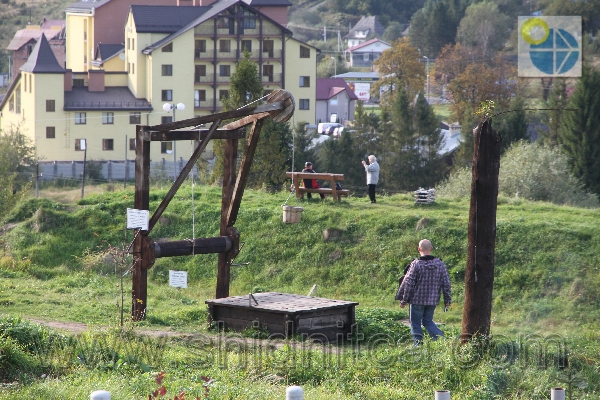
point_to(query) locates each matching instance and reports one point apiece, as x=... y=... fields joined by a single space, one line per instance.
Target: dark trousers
x=372 y=192
x=309 y=195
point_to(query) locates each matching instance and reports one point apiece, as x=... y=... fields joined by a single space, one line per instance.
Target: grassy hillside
x=53 y=268
x=547 y=256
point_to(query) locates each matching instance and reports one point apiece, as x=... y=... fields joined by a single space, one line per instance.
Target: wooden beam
x=139 y=289
x=242 y=178
x=479 y=273
x=184 y=173
x=165 y=136
x=224 y=262
x=219 y=244
x=242 y=112
x=245 y=121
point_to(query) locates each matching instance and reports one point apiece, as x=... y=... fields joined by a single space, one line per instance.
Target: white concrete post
x=100 y=395
x=557 y=394
x=294 y=393
x=442 y=395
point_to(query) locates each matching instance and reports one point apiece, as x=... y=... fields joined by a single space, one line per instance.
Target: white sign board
x=137 y=219
x=178 y=279
x=362 y=91
x=82 y=144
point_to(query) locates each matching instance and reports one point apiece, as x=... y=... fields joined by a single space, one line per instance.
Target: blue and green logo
x=549 y=46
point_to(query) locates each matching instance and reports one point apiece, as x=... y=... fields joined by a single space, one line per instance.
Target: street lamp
x=168 y=107
x=426 y=58
x=334 y=65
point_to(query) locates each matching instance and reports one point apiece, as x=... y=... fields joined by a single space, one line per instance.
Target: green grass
x=546 y=282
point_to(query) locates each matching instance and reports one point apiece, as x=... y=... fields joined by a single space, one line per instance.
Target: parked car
x=327 y=128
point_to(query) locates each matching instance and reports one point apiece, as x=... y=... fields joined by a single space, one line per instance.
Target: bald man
x=426 y=279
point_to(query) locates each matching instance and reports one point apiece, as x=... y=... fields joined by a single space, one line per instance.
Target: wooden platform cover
x=284 y=314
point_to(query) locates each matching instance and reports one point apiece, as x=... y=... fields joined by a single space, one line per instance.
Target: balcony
x=204 y=105
x=223 y=79
x=274 y=79
x=203 y=55
x=208 y=78
x=272 y=55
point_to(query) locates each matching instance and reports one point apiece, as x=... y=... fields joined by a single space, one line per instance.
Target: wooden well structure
x=284 y=315
x=279 y=106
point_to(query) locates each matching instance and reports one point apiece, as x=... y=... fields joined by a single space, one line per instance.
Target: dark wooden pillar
x=479 y=275
x=140 y=250
x=229 y=178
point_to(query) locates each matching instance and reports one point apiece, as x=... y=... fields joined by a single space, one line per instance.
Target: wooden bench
x=332 y=178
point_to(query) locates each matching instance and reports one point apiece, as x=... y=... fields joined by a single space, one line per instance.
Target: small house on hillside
x=365 y=27
x=335 y=100
x=24 y=41
x=363 y=55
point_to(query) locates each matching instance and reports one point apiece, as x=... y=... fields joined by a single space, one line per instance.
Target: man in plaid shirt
x=427 y=277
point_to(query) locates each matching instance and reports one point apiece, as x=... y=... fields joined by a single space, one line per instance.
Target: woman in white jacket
x=372 y=170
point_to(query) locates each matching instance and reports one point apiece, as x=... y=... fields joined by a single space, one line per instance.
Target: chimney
x=96 y=80
x=69 y=81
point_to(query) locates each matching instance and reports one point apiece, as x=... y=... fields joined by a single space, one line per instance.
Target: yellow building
x=169 y=54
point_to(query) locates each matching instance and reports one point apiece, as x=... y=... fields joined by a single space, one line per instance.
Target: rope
x=293 y=188
x=246 y=105
x=193 y=206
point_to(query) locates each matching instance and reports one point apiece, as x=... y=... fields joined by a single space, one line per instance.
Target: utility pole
x=125 y=168
x=83 y=144
x=37 y=176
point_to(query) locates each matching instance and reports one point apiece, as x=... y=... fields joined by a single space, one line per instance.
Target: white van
x=327 y=128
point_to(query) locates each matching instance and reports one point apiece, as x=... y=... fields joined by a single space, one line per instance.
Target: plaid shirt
x=427 y=277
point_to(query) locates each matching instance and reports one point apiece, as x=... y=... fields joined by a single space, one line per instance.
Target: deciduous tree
x=484 y=29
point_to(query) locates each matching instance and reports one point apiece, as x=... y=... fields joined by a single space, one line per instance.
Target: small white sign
x=362 y=91
x=82 y=144
x=137 y=219
x=178 y=279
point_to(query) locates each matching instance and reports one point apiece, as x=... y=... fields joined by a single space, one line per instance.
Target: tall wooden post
x=479 y=274
x=139 y=289
x=229 y=178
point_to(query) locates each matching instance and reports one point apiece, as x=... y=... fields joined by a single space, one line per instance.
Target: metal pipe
x=557 y=394
x=294 y=393
x=442 y=395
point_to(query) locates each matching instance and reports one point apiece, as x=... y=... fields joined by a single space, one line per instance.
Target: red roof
x=368 y=42
x=330 y=87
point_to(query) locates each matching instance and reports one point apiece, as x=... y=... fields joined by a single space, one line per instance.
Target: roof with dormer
x=42 y=59
x=211 y=11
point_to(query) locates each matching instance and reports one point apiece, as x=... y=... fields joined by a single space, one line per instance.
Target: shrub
x=530 y=171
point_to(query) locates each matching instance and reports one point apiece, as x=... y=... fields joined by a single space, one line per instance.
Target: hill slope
x=547 y=256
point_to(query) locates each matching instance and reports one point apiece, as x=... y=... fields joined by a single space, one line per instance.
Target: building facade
x=166 y=54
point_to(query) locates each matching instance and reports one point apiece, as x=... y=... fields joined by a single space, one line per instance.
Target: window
x=108 y=118
x=18 y=100
x=224 y=46
x=223 y=23
x=223 y=94
x=77 y=82
x=166 y=147
x=78 y=146
x=132 y=68
x=199 y=71
x=333 y=101
x=305 y=81
x=30 y=85
x=128 y=43
x=108 y=144
x=268 y=72
x=167 y=95
x=135 y=118
x=249 y=23
x=304 y=104
x=79 y=118
x=50 y=132
x=199 y=95
x=50 y=105
x=247 y=45
x=167 y=70
x=166 y=120
x=199 y=47
x=132 y=43
x=131 y=144
x=268 y=47
x=224 y=70
x=168 y=48
x=304 y=52
x=366 y=56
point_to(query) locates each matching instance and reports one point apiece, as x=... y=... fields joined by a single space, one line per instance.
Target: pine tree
x=302 y=142
x=245 y=87
x=273 y=155
x=513 y=125
x=579 y=133
x=430 y=141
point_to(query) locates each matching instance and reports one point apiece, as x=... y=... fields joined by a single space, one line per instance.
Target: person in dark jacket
x=426 y=279
x=311 y=183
